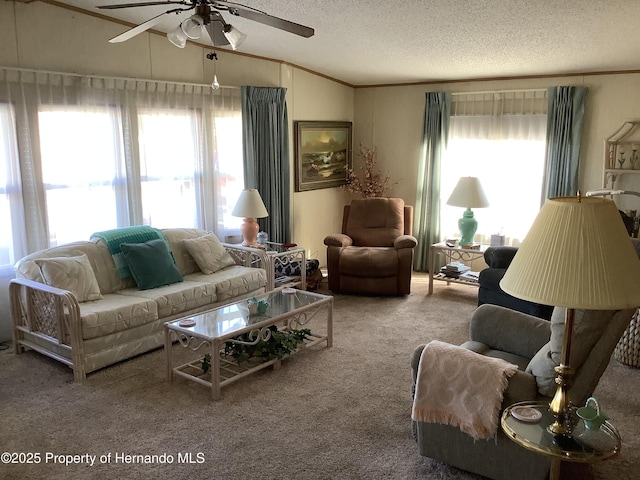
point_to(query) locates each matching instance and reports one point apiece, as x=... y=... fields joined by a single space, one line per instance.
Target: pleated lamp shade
x=578 y=255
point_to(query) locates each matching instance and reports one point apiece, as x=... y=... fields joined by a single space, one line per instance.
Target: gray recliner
x=525 y=341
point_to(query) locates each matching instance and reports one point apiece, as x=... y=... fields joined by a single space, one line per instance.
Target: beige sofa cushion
x=99 y=258
x=115 y=313
x=232 y=281
x=73 y=274
x=184 y=261
x=178 y=297
x=208 y=253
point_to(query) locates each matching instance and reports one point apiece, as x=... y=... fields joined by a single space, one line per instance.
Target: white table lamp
x=468 y=193
x=250 y=206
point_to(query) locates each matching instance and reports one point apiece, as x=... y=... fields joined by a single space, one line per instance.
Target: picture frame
x=323 y=154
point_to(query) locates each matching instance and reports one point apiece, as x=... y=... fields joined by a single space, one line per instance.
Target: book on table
x=470 y=276
x=454 y=269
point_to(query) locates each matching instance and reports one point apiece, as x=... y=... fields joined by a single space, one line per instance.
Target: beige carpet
x=339 y=413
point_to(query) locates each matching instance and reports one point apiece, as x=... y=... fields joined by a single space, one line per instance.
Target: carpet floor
x=338 y=413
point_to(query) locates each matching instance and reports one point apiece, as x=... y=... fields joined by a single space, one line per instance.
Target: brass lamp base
x=560 y=405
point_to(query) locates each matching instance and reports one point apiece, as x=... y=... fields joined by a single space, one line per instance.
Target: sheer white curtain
x=498 y=137
x=180 y=169
x=12 y=240
x=82 y=154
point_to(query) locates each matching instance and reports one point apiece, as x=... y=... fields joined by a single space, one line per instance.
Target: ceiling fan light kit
x=235 y=36
x=192 y=27
x=177 y=37
x=207 y=13
x=207 y=17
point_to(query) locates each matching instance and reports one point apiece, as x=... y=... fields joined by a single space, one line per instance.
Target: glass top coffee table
x=288 y=309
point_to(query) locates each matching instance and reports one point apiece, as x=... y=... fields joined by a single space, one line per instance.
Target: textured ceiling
x=364 y=42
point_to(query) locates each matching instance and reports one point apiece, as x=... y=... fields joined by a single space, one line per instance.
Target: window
x=171 y=169
x=7 y=155
x=230 y=168
x=80 y=151
x=502 y=142
x=109 y=152
x=168 y=142
x=88 y=188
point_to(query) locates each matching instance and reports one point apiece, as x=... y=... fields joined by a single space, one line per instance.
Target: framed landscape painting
x=323 y=154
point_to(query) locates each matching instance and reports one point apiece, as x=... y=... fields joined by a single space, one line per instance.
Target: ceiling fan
x=207 y=17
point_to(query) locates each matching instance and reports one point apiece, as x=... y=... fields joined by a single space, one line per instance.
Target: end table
x=583 y=446
x=279 y=255
x=458 y=253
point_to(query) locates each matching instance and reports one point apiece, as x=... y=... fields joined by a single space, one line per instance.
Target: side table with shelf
x=583 y=446
x=459 y=254
x=286 y=267
x=276 y=259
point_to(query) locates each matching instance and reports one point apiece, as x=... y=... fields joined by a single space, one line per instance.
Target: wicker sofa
x=120 y=320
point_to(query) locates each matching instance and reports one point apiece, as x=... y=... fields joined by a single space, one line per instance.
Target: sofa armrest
x=338 y=240
x=38 y=307
x=247 y=256
x=405 y=241
x=49 y=314
x=508 y=330
x=499 y=257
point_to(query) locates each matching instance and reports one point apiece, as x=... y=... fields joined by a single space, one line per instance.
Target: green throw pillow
x=151 y=264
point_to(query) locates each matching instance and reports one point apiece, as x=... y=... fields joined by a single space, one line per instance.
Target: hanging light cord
x=214 y=56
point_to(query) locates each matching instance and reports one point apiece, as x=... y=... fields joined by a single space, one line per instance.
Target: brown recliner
x=374 y=252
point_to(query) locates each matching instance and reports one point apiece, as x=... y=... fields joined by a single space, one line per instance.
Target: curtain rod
x=502 y=91
x=103 y=77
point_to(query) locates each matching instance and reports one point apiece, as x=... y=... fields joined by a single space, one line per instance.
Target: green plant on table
x=279 y=344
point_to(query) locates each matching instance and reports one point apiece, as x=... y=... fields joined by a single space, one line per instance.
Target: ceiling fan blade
x=144 y=4
x=139 y=29
x=262 y=17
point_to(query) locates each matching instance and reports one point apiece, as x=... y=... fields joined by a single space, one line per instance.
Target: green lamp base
x=468 y=226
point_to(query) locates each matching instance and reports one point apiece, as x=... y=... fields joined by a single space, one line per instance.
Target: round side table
x=583 y=446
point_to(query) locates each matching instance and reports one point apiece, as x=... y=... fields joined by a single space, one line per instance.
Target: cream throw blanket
x=459 y=387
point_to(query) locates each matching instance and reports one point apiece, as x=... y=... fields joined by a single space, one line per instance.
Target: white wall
x=390 y=119
x=318 y=212
x=46 y=37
